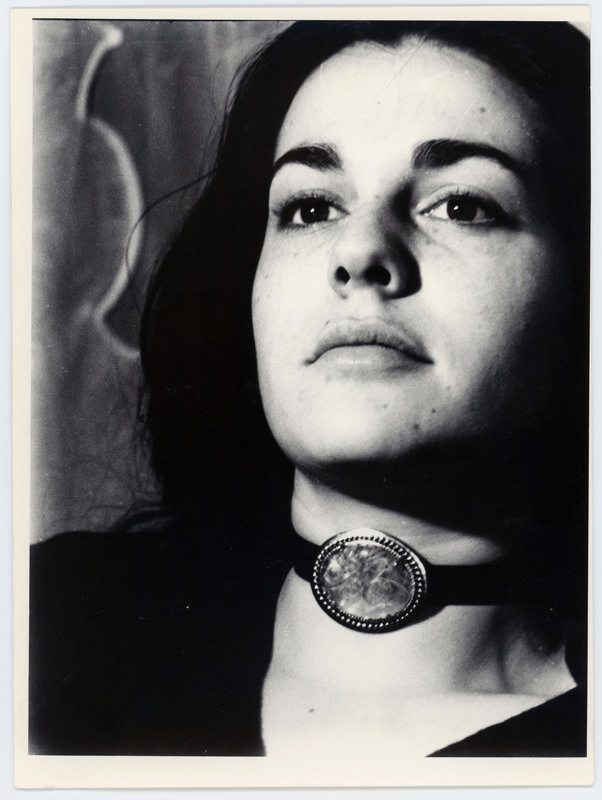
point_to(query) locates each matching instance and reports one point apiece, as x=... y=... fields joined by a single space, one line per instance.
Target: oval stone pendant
x=368 y=580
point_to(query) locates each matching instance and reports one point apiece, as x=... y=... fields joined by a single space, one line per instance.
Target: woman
x=397 y=229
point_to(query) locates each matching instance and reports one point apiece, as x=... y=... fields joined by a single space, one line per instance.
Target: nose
x=370 y=252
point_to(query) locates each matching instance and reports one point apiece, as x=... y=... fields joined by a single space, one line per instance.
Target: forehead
x=370 y=94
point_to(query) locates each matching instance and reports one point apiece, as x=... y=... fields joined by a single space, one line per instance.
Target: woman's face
x=411 y=288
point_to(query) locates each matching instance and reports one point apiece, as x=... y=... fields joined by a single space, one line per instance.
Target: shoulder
x=144 y=643
x=555 y=729
x=84 y=560
x=90 y=600
x=79 y=577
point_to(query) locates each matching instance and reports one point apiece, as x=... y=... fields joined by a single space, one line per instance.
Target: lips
x=367 y=334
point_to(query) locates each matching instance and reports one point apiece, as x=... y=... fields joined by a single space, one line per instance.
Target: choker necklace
x=371 y=581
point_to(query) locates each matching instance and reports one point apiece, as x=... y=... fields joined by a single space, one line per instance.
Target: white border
x=181 y=772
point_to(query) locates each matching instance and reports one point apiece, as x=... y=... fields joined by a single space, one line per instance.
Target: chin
x=346 y=440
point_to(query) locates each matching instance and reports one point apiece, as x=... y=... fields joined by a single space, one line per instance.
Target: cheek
x=276 y=327
x=500 y=323
x=271 y=309
x=263 y=311
x=288 y=296
x=274 y=331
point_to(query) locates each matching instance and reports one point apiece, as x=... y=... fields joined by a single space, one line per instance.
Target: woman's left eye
x=466 y=209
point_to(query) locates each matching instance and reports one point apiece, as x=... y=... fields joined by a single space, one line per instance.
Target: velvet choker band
x=372 y=582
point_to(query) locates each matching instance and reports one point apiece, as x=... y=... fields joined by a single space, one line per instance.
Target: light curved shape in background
x=125 y=112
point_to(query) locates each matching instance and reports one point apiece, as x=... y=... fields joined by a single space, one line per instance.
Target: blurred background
x=126 y=114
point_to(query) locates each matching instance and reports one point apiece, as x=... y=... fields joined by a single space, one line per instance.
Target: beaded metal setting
x=368 y=581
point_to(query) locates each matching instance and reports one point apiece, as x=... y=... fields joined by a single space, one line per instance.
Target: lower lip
x=369 y=357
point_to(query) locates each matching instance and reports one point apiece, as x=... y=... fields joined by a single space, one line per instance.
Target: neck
x=460 y=649
x=319 y=511
x=472 y=665
x=498 y=644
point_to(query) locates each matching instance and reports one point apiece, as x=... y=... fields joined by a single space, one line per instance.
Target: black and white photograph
x=308 y=394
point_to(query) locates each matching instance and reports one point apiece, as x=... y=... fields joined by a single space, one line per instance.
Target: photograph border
x=204 y=772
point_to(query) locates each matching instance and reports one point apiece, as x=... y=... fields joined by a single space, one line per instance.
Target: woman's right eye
x=305 y=211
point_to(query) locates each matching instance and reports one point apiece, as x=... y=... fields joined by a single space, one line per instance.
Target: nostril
x=342 y=275
x=379 y=275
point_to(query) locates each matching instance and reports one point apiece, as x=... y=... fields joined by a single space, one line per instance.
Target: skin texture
x=474 y=287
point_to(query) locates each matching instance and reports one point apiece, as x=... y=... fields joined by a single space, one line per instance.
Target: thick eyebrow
x=319 y=156
x=432 y=154
x=438 y=153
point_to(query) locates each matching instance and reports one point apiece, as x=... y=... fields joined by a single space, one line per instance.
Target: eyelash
x=285 y=211
x=494 y=214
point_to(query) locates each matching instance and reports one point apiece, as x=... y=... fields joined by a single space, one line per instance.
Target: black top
x=144 y=644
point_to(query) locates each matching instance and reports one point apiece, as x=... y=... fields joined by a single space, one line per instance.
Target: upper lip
x=356 y=332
